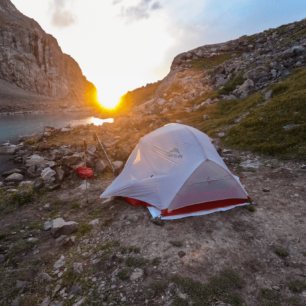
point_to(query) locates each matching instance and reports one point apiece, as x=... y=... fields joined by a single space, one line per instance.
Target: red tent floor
x=192 y=208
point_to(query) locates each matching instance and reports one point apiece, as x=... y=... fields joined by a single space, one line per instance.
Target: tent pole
x=97 y=138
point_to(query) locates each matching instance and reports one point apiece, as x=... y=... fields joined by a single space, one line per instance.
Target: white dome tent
x=176 y=172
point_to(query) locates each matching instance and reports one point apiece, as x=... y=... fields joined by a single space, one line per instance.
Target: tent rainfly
x=176 y=172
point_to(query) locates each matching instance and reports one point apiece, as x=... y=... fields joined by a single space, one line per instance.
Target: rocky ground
x=110 y=253
x=57 y=248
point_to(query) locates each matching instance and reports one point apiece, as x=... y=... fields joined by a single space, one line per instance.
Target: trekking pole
x=96 y=138
x=85 y=148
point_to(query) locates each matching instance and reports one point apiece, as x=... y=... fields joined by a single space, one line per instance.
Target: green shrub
x=124 y=273
x=281 y=252
x=84 y=229
x=250 y=208
x=75 y=205
x=177 y=244
x=297 y=286
x=159 y=286
x=231 y=84
x=135 y=261
x=210 y=62
x=156 y=261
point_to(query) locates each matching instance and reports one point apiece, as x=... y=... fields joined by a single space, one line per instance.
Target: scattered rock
x=2 y=258
x=32 y=239
x=266 y=190
x=60 y=173
x=12 y=172
x=46 y=277
x=251 y=164
x=77 y=268
x=75 y=289
x=138 y=273
x=181 y=254
x=206 y=117
x=276 y=288
x=118 y=165
x=60 y=263
x=21 y=285
x=16 y=177
x=60 y=227
x=55 y=187
x=39 y=184
x=95 y=222
x=82 y=187
x=80 y=302
x=47 y=174
x=289 y=126
x=100 y=166
x=15 y=302
x=46 y=301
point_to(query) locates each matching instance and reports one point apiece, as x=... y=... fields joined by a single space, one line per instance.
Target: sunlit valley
x=131 y=179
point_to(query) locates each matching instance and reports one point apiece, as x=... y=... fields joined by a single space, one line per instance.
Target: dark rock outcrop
x=33 y=61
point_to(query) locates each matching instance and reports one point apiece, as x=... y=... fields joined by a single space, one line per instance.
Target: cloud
x=156 y=6
x=142 y=10
x=62 y=17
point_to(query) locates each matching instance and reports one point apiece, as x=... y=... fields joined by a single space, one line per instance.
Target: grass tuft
x=156 y=261
x=124 y=273
x=177 y=244
x=281 y=252
x=84 y=229
x=210 y=62
x=297 y=285
x=75 y=205
x=231 y=84
x=135 y=261
x=250 y=208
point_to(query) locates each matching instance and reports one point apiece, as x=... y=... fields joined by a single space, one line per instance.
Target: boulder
x=118 y=165
x=71 y=160
x=298 y=50
x=36 y=160
x=66 y=130
x=91 y=148
x=60 y=173
x=10 y=149
x=100 y=166
x=38 y=184
x=24 y=183
x=16 y=177
x=60 y=227
x=245 y=88
x=12 y=172
x=47 y=174
x=256 y=73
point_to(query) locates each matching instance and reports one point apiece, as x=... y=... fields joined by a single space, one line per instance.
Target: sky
x=121 y=45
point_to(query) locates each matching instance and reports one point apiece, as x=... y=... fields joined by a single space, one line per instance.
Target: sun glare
x=108 y=99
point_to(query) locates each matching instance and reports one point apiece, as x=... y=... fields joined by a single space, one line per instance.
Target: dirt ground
x=251 y=243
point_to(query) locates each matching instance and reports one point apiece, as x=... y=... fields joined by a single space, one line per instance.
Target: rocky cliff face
x=33 y=60
x=229 y=70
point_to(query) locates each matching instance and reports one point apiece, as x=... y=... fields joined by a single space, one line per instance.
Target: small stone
x=15 y=302
x=123 y=299
x=158 y=221
x=75 y=289
x=77 y=268
x=16 y=177
x=60 y=227
x=206 y=117
x=181 y=254
x=95 y=222
x=138 y=273
x=46 y=277
x=266 y=190
x=22 y=193
x=32 y=239
x=60 y=263
x=21 y=285
x=2 y=258
x=113 y=287
x=38 y=184
x=47 y=174
x=46 y=301
x=56 y=289
x=303 y=167
x=276 y=288
x=47 y=224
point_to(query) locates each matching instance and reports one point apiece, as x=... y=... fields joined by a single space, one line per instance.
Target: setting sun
x=108 y=99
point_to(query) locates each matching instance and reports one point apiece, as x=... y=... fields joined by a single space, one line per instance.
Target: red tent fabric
x=191 y=208
x=84 y=172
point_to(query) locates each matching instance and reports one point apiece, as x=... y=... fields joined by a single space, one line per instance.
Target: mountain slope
x=33 y=60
